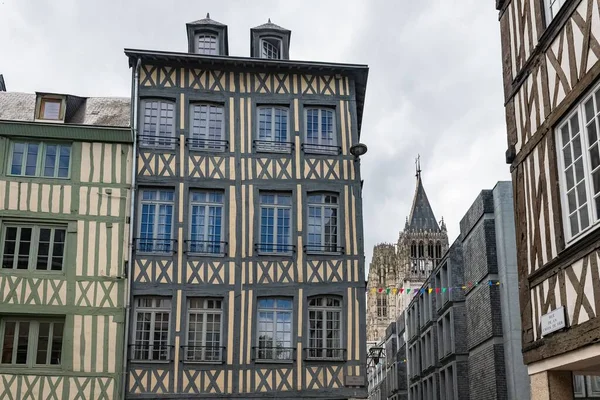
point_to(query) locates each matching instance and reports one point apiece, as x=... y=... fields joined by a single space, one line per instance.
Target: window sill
x=39 y=177
x=150 y=361
x=324 y=253
x=205 y=255
x=156 y=147
x=18 y=369
x=191 y=362
x=202 y=150
x=324 y=153
x=274 y=361
x=155 y=254
x=266 y=254
x=331 y=360
x=36 y=272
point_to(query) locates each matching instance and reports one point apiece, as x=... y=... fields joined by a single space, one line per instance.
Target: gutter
x=134 y=123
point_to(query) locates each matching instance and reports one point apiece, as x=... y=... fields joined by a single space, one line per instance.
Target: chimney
x=2 y=85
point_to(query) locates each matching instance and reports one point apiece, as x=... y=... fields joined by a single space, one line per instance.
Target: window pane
x=17 y=161
x=24 y=246
x=10 y=241
x=43 y=249
x=22 y=342
x=43 y=340
x=64 y=161
x=8 y=342
x=51 y=109
x=31 y=159
x=50 y=160
x=57 y=337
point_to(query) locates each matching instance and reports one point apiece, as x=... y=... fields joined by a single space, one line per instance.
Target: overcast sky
x=435 y=79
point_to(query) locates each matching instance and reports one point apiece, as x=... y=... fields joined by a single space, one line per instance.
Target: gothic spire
x=421 y=214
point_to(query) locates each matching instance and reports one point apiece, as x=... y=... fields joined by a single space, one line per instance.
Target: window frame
x=205 y=34
x=40 y=165
x=288 y=248
x=270 y=144
x=154 y=140
x=322 y=248
x=204 y=312
x=331 y=148
x=206 y=205
x=592 y=212
x=32 y=341
x=153 y=310
x=42 y=107
x=206 y=144
x=34 y=247
x=548 y=14
x=323 y=311
x=156 y=202
x=276 y=311
x=269 y=40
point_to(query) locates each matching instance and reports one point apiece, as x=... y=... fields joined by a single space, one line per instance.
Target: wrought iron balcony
x=152 y=245
x=270 y=146
x=323 y=249
x=203 y=354
x=205 y=247
x=212 y=145
x=311 y=148
x=157 y=141
x=272 y=248
x=274 y=354
x=150 y=352
x=325 y=353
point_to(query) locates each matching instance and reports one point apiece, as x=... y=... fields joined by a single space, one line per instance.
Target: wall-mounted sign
x=355 y=380
x=553 y=321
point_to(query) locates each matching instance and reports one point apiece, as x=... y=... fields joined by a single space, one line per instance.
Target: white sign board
x=553 y=321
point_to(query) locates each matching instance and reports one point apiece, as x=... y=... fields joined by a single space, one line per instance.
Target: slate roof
x=206 y=21
x=421 y=214
x=99 y=111
x=270 y=25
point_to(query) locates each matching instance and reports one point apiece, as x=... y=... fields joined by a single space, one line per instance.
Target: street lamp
x=375 y=355
x=358 y=150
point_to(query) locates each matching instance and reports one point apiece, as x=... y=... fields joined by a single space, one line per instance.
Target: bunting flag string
x=429 y=290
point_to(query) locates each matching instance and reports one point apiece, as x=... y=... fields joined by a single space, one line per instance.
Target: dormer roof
x=206 y=21
x=271 y=26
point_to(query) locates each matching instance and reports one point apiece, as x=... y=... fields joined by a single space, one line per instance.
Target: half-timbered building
x=550 y=55
x=248 y=265
x=64 y=198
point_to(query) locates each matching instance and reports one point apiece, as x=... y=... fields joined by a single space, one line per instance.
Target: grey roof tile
x=421 y=214
x=270 y=25
x=100 y=111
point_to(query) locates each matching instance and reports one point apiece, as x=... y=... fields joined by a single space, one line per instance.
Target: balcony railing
x=151 y=245
x=325 y=353
x=270 y=146
x=214 y=145
x=203 y=354
x=150 y=352
x=273 y=354
x=157 y=141
x=327 y=149
x=323 y=249
x=205 y=247
x=271 y=248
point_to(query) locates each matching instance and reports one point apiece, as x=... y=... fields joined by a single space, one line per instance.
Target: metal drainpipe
x=131 y=226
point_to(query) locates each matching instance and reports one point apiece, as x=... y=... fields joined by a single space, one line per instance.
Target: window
x=31 y=342
x=33 y=247
x=151 y=334
x=382 y=305
x=320 y=131
x=207 y=44
x=274 y=329
x=48 y=160
x=586 y=386
x=204 y=330
x=579 y=165
x=552 y=7
x=207 y=128
x=158 y=123
x=273 y=130
x=156 y=221
x=275 y=223
x=323 y=223
x=325 y=328
x=206 y=223
x=270 y=48
x=50 y=109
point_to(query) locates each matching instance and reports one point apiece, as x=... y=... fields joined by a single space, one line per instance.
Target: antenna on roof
x=269 y=20
x=207 y=15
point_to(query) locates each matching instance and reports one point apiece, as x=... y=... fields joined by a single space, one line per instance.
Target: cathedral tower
x=420 y=246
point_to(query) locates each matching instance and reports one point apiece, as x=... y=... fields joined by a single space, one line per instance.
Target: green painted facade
x=92 y=204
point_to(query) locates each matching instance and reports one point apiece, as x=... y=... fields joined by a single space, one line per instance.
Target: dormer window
x=50 y=109
x=270 y=48
x=207 y=44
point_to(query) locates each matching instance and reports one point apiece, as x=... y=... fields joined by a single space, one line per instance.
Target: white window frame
x=202 y=141
x=269 y=40
x=324 y=206
x=207 y=205
x=593 y=217
x=155 y=231
x=42 y=108
x=203 y=312
x=269 y=144
x=324 y=310
x=202 y=50
x=40 y=165
x=154 y=139
x=321 y=148
x=34 y=247
x=32 y=341
x=550 y=15
x=276 y=207
x=287 y=353
x=153 y=310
